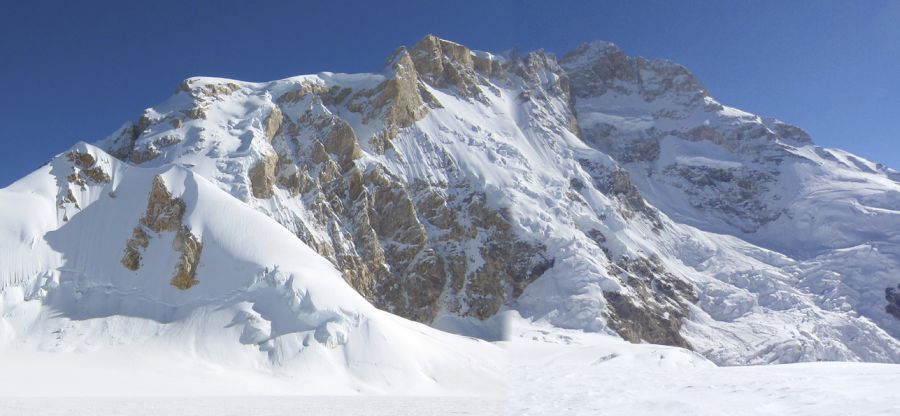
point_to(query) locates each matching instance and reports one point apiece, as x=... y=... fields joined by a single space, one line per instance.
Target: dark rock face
x=610 y=70
x=654 y=305
x=165 y=214
x=740 y=195
x=262 y=177
x=892 y=295
x=402 y=245
x=82 y=171
x=189 y=249
x=616 y=183
x=446 y=64
x=85 y=169
x=134 y=247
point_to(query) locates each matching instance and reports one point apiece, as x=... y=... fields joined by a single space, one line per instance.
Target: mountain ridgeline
x=594 y=191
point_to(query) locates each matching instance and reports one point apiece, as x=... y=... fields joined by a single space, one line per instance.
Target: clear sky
x=77 y=70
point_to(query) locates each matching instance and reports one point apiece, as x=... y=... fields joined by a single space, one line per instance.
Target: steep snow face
x=726 y=171
x=213 y=281
x=456 y=185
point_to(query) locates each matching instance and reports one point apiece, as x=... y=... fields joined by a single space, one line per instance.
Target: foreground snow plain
x=551 y=372
x=254 y=405
x=556 y=372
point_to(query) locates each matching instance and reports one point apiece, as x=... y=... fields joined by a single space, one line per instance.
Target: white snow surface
x=253 y=405
x=575 y=373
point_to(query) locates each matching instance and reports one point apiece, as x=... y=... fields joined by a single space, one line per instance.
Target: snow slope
x=573 y=373
x=242 y=405
x=263 y=304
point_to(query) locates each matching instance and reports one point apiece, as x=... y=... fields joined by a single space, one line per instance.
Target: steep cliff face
x=600 y=192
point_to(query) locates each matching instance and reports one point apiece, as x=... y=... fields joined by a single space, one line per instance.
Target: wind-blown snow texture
x=259 y=223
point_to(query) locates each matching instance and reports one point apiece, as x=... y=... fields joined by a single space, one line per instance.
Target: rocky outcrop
x=444 y=64
x=262 y=177
x=398 y=102
x=85 y=168
x=415 y=282
x=402 y=94
x=272 y=123
x=601 y=67
x=82 y=171
x=153 y=148
x=789 y=132
x=616 y=183
x=164 y=214
x=69 y=198
x=189 y=248
x=653 y=304
x=509 y=263
x=134 y=247
x=195 y=113
x=123 y=145
x=202 y=90
x=892 y=295
x=341 y=142
x=301 y=91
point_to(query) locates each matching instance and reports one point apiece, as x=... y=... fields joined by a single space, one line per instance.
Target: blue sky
x=78 y=70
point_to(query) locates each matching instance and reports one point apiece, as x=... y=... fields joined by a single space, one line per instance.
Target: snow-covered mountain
x=273 y=223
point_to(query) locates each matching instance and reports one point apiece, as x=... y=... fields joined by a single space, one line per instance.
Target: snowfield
x=572 y=373
x=551 y=372
x=252 y=405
